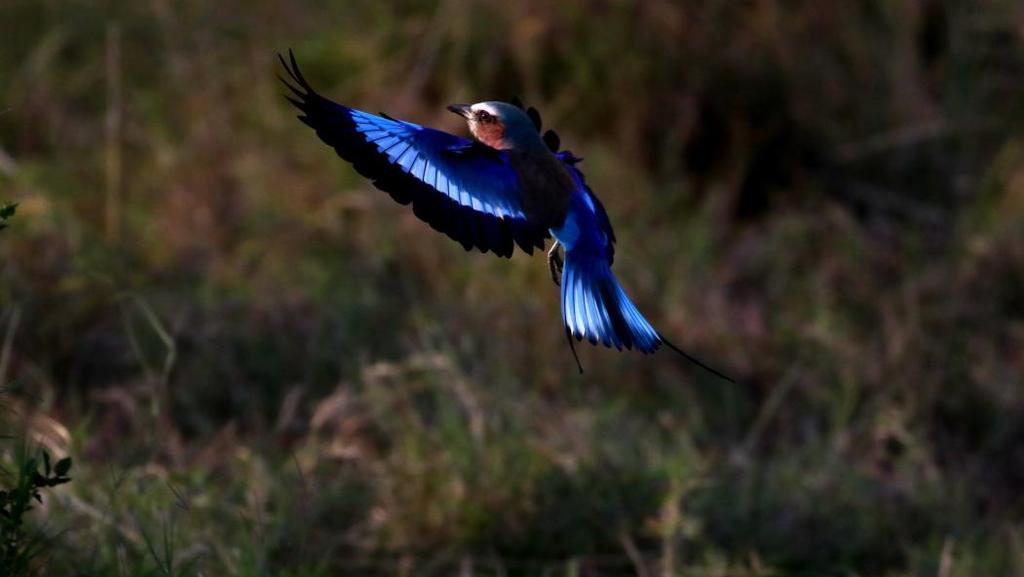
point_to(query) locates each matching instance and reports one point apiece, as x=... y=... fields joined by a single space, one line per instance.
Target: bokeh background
x=263 y=366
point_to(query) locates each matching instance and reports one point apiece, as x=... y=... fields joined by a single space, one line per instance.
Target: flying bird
x=508 y=186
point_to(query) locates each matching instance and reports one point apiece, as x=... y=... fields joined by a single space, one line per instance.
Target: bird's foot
x=555 y=264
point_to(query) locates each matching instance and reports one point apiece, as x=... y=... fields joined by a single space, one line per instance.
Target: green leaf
x=63 y=466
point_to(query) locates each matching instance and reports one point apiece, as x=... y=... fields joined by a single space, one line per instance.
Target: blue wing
x=601 y=216
x=461 y=188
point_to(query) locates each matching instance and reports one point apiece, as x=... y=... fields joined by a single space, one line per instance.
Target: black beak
x=462 y=110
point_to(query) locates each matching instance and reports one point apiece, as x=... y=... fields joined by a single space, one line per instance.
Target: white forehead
x=488 y=107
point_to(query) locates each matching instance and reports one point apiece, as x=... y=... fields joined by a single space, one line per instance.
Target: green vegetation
x=7 y=211
x=263 y=366
x=18 y=547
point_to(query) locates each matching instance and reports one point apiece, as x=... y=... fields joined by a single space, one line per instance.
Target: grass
x=261 y=366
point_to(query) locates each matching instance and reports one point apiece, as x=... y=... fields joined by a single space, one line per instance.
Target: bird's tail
x=596 y=308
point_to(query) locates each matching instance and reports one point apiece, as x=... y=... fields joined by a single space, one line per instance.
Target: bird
x=508 y=186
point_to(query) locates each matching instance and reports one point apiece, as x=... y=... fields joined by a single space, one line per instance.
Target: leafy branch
x=17 y=548
x=7 y=211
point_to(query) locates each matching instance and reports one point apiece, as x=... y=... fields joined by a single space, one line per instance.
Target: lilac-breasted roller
x=508 y=186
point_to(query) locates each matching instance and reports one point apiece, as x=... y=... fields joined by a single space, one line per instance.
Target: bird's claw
x=555 y=264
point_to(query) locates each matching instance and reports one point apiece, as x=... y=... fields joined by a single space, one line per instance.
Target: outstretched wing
x=461 y=188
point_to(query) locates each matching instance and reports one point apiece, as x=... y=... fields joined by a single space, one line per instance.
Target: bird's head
x=499 y=125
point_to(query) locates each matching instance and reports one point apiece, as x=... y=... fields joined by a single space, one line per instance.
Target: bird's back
x=546 y=185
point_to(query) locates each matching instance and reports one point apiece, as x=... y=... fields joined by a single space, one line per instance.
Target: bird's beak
x=462 y=110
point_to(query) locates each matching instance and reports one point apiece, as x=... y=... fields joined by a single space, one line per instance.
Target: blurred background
x=262 y=366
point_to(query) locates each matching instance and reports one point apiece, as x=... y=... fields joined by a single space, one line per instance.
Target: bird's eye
x=484 y=116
